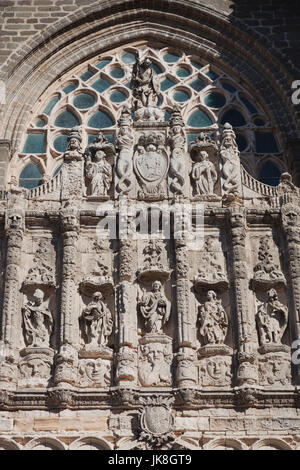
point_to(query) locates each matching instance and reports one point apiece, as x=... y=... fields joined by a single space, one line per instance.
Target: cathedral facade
x=150 y=225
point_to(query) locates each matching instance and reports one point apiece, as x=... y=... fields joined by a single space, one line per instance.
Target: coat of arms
x=151 y=164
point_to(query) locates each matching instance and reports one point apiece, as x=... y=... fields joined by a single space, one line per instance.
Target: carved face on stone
x=211 y=295
x=156 y=354
x=35 y=367
x=97 y=296
x=38 y=297
x=15 y=221
x=156 y=286
x=95 y=370
x=216 y=368
x=74 y=144
x=272 y=294
x=291 y=217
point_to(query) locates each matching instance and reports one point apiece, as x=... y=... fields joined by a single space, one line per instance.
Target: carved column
x=10 y=314
x=126 y=370
x=66 y=364
x=290 y=222
x=186 y=373
x=245 y=319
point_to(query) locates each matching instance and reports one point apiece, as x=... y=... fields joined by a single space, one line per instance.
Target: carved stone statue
x=230 y=157
x=144 y=86
x=272 y=318
x=97 y=322
x=213 y=320
x=155 y=308
x=37 y=322
x=74 y=151
x=125 y=142
x=98 y=171
x=177 y=140
x=204 y=175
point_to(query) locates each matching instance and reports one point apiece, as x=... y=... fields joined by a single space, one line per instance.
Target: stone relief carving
x=230 y=157
x=96 y=323
x=274 y=370
x=215 y=371
x=155 y=308
x=266 y=272
x=72 y=179
x=204 y=174
x=74 y=150
x=151 y=165
x=213 y=320
x=155 y=357
x=35 y=369
x=125 y=142
x=37 y=322
x=99 y=278
x=98 y=171
x=177 y=141
x=157 y=422
x=211 y=272
x=94 y=373
x=152 y=265
x=42 y=273
x=272 y=318
x=126 y=365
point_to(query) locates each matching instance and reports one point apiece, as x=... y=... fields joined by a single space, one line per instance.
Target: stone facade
x=115 y=335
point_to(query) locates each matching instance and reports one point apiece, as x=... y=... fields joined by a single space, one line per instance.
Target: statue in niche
x=204 y=175
x=155 y=308
x=272 y=318
x=74 y=151
x=37 y=322
x=213 y=320
x=152 y=254
x=177 y=141
x=266 y=268
x=97 y=322
x=144 y=85
x=230 y=156
x=98 y=170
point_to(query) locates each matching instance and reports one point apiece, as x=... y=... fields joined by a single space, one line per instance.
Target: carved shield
x=151 y=167
x=157 y=420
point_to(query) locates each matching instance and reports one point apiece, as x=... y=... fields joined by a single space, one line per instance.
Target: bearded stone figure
x=271 y=319
x=213 y=320
x=204 y=175
x=155 y=308
x=97 y=322
x=37 y=322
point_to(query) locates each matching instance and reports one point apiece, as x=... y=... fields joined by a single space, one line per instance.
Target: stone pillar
x=4 y=159
x=290 y=222
x=245 y=319
x=126 y=370
x=66 y=364
x=15 y=223
x=186 y=372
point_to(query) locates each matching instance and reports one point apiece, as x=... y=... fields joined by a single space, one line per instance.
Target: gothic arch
x=77 y=37
x=271 y=444
x=224 y=444
x=94 y=443
x=45 y=443
x=8 y=444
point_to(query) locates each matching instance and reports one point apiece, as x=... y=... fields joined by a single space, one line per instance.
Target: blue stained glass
x=242 y=142
x=51 y=105
x=191 y=137
x=167 y=116
x=60 y=143
x=171 y=57
x=157 y=69
x=30 y=177
x=118 y=97
x=270 y=174
x=199 y=119
x=265 y=142
x=166 y=84
x=40 y=123
x=228 y=87
x=103 y=63
x=57 y=171
x=128 y=58
x=117 y=72
x=183 y=72
x=251 y=108
x=181 y=96
x=215 y=100
x=66 y=119
x=100 y=120
x=87 y=75
x=35 y=143
x=69 y=88
x=101 y=85
x=196 y=64
x=234 y=117
x=84 y=101
x=212 y=75
x=197 y=84
x=128 y=85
